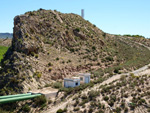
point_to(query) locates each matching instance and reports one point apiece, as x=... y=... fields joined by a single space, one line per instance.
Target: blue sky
x=112 y=16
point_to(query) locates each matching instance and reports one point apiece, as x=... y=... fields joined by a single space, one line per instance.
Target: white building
x=84 y=77
x=71 y=82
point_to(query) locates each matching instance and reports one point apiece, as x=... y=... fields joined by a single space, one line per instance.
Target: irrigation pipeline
x=18 y=97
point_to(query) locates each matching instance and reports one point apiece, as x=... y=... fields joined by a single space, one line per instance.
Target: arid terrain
x=48 y=46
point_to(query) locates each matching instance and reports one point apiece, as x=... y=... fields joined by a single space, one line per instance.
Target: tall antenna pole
x=82 y=13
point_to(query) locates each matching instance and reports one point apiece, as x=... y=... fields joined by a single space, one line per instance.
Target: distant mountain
x=5 y=35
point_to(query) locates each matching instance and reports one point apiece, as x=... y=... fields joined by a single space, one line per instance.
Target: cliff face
x=48 y=46
x=24 y=38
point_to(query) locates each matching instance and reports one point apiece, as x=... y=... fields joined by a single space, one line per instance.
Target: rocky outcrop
x=79 y=34
x=21 y=36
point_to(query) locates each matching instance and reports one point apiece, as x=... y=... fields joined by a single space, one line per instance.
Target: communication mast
x=82 y=13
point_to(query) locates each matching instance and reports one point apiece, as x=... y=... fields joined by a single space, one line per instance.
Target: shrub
x=57 y=85
x=90 y=110
x=77 y=29
x=39 y=101
x=65 y=110
x=111 y=103
x=118 y=110
x=116 y=70
x=109 y=58
x=31 y=30
x=94 y=25
x=50 y=69
x=50 y=64
x=132 y=106
x=26 y=108
x=76 y=109
x=43 y=105
x=57 y=58
x=106 y=98
x=60 y=111
x=126 y=110
x=37 y=74
x=93 y=94
x=68 y=61
x=93 y=47
x=72 y=50
x=84 y=97
x=83 y=102
x=32 y=53
x=36 y=56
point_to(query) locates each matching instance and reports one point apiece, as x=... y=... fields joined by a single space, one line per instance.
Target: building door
x=76 y=83
x=86 y=79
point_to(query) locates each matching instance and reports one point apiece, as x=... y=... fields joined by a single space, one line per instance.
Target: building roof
x=84 y=74
x=74 y=79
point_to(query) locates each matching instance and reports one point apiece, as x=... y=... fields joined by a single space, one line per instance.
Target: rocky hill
x=48 y=46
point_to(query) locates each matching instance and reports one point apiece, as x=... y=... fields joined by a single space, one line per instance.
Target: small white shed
x=71 y=82
x=85 y=77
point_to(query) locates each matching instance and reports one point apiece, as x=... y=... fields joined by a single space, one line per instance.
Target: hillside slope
x=48 y=46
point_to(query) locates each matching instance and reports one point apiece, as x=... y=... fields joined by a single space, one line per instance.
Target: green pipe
x=8 y=100
x=12 y=96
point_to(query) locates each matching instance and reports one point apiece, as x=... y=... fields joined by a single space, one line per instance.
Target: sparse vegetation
x=114 y=94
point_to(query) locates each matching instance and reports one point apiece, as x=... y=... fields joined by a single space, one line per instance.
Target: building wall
x=71 y=83
x=87 y=79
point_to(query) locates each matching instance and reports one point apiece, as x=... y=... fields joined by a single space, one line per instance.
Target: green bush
x=36 y=56
x=109 y=58
x=26 y=108
x=111 y=103
x=72 y=49
x=106 y=98
x=57 y=58
x=77 y=29
x=57 y=85
x=39 y=101
x=93 y=94
x=118 y=110
x=76 y=109
x=116 y=70
x=60 y=111
x=50 y=64
x=37 y=74
x=94 y=48
x=50 y=69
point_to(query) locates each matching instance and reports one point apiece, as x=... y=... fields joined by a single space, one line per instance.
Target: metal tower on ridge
x=82 y=13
